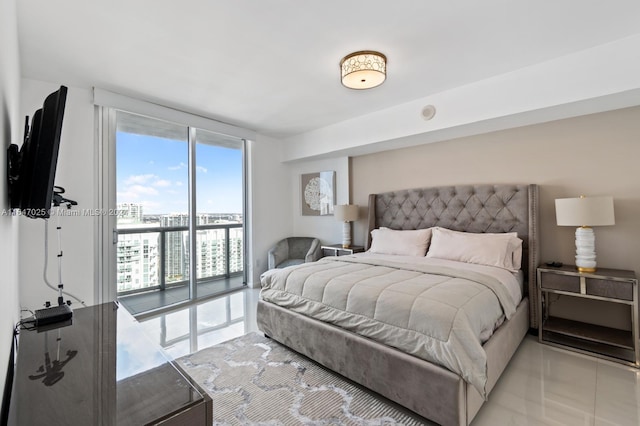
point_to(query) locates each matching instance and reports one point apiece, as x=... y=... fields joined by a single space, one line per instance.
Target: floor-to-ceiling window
x=180 y=212
x=219 y=201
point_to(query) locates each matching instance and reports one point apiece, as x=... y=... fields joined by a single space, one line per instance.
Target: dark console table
x=101 y=369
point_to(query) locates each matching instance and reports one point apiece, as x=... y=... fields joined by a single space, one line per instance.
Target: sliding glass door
x=179 y=191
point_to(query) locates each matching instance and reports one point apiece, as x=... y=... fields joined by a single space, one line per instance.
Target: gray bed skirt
x=427 y=389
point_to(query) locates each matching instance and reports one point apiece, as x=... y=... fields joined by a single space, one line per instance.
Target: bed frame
x=425 y=388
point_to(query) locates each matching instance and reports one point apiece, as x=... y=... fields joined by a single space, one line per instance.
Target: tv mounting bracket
x=58 y=200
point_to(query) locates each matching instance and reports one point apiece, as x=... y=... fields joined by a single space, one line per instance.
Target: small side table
x=606 y=285
x=338 y=250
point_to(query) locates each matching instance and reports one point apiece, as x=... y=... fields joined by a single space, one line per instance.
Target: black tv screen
x=32 y=170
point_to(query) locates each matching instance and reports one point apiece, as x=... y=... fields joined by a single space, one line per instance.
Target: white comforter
x=434 y=309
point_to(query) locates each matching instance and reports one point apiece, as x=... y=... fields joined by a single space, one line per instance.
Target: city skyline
x=140 y=255
x=132 y=215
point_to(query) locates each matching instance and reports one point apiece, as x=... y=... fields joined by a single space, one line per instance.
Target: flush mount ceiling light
x=363 y=70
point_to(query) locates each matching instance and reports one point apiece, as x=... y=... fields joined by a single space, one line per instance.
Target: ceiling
x=272 y=66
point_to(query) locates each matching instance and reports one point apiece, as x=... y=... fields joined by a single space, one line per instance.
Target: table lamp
x=585 y=212
x=346 y=213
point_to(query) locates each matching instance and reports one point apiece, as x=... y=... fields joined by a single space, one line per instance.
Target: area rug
x=255 y=380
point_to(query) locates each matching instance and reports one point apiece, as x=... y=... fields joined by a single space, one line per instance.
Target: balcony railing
x=226 y=264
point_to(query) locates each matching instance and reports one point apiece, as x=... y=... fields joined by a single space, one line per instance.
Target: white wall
x=275 y=199
x=269 y=200
x=75 y=172
x=10 y=131
x=326 y=228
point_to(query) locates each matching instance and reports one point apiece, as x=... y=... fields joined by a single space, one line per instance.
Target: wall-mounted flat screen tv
x=32 y=167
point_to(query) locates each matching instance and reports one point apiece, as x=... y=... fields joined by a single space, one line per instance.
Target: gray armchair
x=294 y=251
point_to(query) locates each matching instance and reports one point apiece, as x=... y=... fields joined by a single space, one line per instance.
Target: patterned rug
x=255 y=380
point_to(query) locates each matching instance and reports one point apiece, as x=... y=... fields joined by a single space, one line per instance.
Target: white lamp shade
x=585 y=211
x=345 y=212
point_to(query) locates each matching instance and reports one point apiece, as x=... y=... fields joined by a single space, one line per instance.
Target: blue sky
x=153 y=171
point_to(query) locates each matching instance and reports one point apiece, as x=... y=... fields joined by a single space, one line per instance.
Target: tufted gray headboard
x=468 y=208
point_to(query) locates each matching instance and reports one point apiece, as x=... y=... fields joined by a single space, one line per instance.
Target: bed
x=442 y=390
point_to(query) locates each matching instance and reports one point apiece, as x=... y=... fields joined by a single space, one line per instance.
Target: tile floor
x=541 y=386
x=197 y=326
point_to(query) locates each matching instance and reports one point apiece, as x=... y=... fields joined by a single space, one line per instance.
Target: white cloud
x=141 y=189
x=139 y=179
x=126 y=196
x=162 y=183
x=178 y=167
x=201 y=169
x=134 y=193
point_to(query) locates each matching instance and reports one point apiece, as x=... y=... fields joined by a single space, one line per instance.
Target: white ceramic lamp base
x=346 y=235
x=585 y=249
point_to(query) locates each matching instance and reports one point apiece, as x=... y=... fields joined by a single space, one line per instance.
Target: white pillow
x=501 y=250
x=404 y=243
x=515 y=245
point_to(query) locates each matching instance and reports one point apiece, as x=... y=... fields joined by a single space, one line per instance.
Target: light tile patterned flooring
x=541 y=386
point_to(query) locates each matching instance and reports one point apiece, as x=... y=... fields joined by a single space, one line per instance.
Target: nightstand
x=606 y=285
x=338 y=250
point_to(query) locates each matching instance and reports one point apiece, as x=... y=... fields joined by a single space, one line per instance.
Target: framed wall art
x=318 y=193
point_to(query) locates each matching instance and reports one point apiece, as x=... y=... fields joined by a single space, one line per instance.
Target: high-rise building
x=236 y=250
x=139 y=253
x=129 y=213
x=138 y=261
x=176 y=247
x=212 y=252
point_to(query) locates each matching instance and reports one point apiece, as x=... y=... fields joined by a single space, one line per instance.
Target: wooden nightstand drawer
x=554 y=281
x=608 y=288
